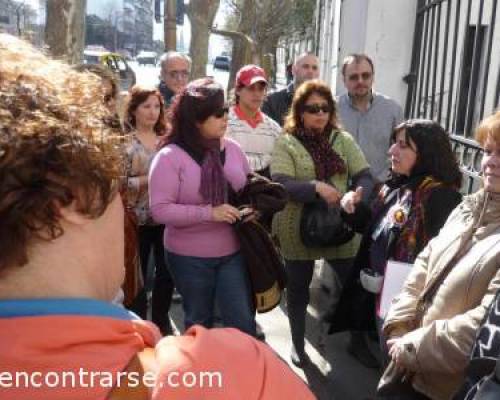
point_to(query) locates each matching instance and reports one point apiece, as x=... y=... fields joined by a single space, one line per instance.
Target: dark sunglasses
x=221 y=112
x=364 y=76
x=316 y=108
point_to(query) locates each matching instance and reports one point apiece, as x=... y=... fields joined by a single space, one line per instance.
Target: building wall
x=328 y=46
x=383 y=29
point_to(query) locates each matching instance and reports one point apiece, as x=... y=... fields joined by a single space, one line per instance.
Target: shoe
x=260 y=333
x=361 y=352
x=299 y=359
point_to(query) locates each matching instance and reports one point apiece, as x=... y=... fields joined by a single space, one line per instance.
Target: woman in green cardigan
x=311 y=168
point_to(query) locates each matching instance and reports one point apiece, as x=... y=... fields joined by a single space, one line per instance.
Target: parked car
x=222 y=62
x=115 y=62
x=147 y=57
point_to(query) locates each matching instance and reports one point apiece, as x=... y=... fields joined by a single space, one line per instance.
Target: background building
x=124 y=24
x=435 y=57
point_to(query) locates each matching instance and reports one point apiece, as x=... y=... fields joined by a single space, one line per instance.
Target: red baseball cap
x=250 y=74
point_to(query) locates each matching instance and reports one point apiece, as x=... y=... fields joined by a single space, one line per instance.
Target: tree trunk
x=201 y=14
x=170 y=25
x=244 y=51
x=65 y=29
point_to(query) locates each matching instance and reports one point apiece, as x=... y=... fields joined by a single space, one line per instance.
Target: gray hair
x=166 y=57
x=301 y=56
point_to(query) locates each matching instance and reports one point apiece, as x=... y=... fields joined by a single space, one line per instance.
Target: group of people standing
x=187 y=154
x=395 y=182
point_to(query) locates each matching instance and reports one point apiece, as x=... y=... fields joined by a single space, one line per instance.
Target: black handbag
x=489 y=389
x=322 y=225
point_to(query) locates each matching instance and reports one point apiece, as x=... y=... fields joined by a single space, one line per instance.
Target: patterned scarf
x=213 y=185
x=326 y=160
x=210 y=158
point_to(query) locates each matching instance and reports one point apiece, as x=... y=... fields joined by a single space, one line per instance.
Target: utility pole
x=170 y=24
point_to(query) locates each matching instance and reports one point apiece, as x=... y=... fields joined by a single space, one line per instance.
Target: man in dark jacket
x=174 y=74
x=277 y=104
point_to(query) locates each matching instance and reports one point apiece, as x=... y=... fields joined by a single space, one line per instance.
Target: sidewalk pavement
x=333 y=373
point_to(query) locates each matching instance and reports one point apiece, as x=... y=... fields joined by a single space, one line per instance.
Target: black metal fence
x=455 y=71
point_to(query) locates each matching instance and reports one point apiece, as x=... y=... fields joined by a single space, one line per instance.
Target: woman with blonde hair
x=431 y=325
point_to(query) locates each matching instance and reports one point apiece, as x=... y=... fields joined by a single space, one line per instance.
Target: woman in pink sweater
x=189 y=182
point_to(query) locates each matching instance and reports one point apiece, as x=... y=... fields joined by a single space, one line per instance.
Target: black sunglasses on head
x=316 y=108
x=221 y=112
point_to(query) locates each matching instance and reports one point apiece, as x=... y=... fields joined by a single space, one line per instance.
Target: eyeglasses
x=178 y=74
x=364 y=76
x=221 y=112
x=316 y=108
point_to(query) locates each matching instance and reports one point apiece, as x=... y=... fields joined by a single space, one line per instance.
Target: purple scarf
x=213 y=185
x=326 y=160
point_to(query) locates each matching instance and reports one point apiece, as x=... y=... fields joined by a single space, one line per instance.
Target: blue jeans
x=206 y=281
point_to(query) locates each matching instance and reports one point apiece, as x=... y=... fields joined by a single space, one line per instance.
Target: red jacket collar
x=253 y=122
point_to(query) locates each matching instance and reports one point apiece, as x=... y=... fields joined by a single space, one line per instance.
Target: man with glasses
x=277 y=104
x=367 y=115
x=370 y=117
x=174 y=74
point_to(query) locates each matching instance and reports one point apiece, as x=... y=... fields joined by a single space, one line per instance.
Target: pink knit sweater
x=174 y=181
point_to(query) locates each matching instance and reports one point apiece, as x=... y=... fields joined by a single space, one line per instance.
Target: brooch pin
x=399 y=217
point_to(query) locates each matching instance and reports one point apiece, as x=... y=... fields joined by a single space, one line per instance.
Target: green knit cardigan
x=291 y=158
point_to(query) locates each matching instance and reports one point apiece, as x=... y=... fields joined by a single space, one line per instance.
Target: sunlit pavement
x=333 y=373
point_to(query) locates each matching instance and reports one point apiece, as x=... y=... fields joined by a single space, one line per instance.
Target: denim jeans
x=206 y=281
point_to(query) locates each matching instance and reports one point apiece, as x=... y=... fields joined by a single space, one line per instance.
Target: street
x=148 y=75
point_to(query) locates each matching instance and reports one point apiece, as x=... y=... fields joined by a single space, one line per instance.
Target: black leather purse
x=322 y=225
x=489 y=388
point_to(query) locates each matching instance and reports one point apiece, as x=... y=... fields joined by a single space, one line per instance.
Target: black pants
x=151 y=239
x=299 y=274
x=410 y=394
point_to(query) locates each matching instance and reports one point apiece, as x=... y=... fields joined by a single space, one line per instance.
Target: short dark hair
x=199 y=100
x=356 y=58
x=435 y=156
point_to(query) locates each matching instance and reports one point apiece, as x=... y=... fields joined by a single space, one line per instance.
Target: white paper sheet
x=395 y=276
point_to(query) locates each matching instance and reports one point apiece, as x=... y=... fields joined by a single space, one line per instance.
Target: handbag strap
x=333 y=137
x=431 y=291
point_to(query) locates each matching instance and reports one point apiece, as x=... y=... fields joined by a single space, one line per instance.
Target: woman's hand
x=249 y=214
x=225 y=213
x=328 y=193
x=396 y=352
x=351 y=199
